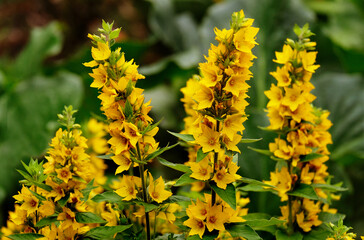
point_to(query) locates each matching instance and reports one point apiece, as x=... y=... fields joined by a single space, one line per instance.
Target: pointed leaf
x=305 y=191
x=106 y=232
x=111 y=197
x=262 y=151
x=201 y=155
x=250 y=140
x=47 y=221
x=184 y=137
x=185 y=179
x=175 y=166
x=88 y=217
x=329 y=187
x=159 y=152
x=256 y=182
x=25 y=236
x=283 y=236
x=310 y=157
x=228 y=194
x=238 y=230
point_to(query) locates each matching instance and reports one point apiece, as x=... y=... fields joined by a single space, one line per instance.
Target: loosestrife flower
x=303 y=134
x=58 y=188
x=215 y=106
x=129 y=126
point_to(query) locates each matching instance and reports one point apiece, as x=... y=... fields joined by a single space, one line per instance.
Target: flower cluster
x=215 y=104
x=54 y=193
x=303 y=132
x=130 y=128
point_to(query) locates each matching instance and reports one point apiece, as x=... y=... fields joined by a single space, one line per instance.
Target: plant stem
x=213 y=193
x=144 y=187
x=290 y=217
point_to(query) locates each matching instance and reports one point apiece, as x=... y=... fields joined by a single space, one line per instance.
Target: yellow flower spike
x=156 y=189
x=102 y=52
x=201 y=170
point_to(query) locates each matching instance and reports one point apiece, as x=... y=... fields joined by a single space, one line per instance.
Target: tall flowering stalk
x=52 y=203
x=215 y=104
x=131 y=129
x=301 y=145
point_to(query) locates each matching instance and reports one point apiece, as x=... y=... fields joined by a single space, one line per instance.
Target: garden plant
x=69 y=195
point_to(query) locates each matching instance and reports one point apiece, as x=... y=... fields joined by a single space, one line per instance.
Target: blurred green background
x=43 y=44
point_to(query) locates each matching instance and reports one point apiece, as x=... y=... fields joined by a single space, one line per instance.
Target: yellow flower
x=64 y=173
x=208 y=139
x=237 y=83
x=156 y=189
x=197 y=226
x=282 y=180
x=100 y=77
x=286 y=55
x=123 y=160
x=29 y=202
x=204 y=96
x=132 y=133
x=199 y=210
x=129 y=185
x=201 y=170
x=102 y=52
x=210 y=73
x=216 y=218
x=222 y=178
x=293 y=97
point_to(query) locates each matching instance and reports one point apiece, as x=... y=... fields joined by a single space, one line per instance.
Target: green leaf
x=331 y=217
x=333 y=188
x=252 y=187
x=228 y=194
x=175 y=166
x=88 y=217
x=106 y=157
x=206 y=236
x=177 y=199
x=147 y=206
x=258 y=220
x=201 y=155
x=128 y=109
x=242 y=230
x=185 y=179
x=37 y=195
x=310 y=157
x=43 y=186
x=86 y=191
x=283 y=236
x=317 y=234
x=25 y=236
x=184 y=137
x=262 y=151
x=115 y=33
x=250 y=140
x=253 y=181
x=44 y=41
x=64 y=200
x=304 y=191
x=111 y=197
x=106 y=232
x=47 y=221
x=159 y=152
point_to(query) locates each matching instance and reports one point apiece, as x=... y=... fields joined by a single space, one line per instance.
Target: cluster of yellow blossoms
x=52 y=206
x=131 y=130
x=215 y=104
x=303 y=132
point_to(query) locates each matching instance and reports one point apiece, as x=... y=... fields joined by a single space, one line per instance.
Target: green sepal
x=184 y=137
x=106 y=232
x=150 y=127
x=304 y=191
x=175 y=166
x=228 y=194
x=89 y=217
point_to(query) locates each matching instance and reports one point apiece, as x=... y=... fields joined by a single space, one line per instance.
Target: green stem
x=213 y=193
x=290 y=229
x=144 y=187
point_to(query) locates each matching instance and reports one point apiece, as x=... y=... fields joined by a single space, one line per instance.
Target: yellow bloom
x=282 y=180
x=201 y=170
x=123 y=160
x=100 y=77
x=210 y=73
x=208 y=139
x=222 y=178
x=132 y=133
x=102 y=52
x=197 y=226
x=204 y=96
x=156 y=189
x=216 y=218
x=233 y=124
x=286 y=55
x=64 y=173
x=237 y=83
x=129 y=187
x=293 y=97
